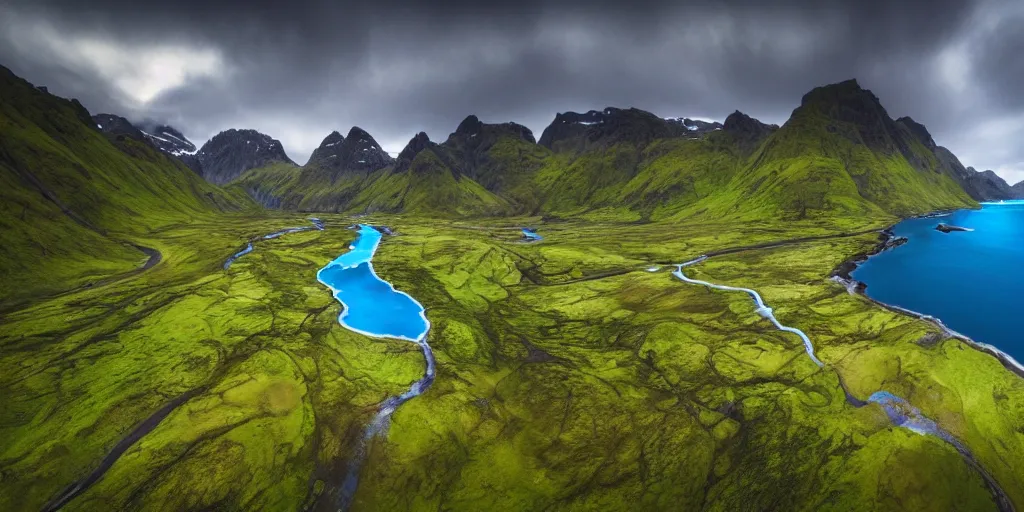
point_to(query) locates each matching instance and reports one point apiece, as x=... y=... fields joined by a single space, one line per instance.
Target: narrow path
x=155 y=257
x=900 y=412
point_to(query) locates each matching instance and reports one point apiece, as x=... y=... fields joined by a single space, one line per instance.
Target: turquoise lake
x=372 y=306
x=972 y=281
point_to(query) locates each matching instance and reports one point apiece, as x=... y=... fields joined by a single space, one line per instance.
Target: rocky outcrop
x=230 y=153
x=949 y=228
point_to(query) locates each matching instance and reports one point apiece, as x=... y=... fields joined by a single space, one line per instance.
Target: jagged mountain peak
x=987 y=186
x=329 y=149
x=332 y=138
x=858 y=115
x=232 y=152
x=358 y=133
x=845 y=101
x=748 y=131
x=358 y=151
x=418 y=143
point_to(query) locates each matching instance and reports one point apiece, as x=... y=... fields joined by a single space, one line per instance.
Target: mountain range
x=629 y=160
x=839 y=154
x=839 y=159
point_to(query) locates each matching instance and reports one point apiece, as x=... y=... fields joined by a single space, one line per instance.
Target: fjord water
x=971 y=280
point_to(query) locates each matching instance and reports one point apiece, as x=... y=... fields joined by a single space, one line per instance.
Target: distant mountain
x=1018 y=190
x=840 y=154
x=987 y=186
x=984 y=186
x=353 y=174
x=162 y=137
x=696 y=127
x=169 y=140
x=574 y=132
x=232 y=152
x=839 y=157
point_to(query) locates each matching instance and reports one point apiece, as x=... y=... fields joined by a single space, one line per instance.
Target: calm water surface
x=372 y=305
x=972 y=281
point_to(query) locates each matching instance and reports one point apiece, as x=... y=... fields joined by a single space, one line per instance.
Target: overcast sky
x=300 y=69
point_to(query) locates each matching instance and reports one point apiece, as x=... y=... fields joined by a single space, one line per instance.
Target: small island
x=947 y=228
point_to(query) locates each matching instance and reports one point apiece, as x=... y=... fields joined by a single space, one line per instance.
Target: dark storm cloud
x=297 y=70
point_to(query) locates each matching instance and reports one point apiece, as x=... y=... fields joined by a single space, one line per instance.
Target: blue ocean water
x=973 y=281
x=372 y=305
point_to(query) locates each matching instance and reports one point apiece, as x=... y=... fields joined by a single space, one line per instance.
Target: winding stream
x=898 y=410
x=374 y=307
x=317 y=225
x=762 y=308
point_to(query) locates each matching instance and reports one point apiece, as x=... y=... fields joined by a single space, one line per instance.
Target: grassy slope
x=815 y=166
x=427 y=187
x=100 y=194
x=804 y=171
x=631 y=391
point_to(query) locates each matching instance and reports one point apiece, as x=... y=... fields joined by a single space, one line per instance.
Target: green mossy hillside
x=71 y=198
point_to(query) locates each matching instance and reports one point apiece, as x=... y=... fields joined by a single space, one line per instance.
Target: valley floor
x=569 y=376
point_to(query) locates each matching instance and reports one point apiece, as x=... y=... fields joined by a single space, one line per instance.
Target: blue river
x=971 y=280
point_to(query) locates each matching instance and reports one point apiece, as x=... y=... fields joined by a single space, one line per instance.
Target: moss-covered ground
x=569 y=377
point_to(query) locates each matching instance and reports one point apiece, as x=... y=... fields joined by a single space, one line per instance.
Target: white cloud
x=140 y=72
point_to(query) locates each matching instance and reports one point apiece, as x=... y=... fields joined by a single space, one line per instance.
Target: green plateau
x=574 y=373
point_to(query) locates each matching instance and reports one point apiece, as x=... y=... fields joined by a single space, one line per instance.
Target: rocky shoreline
x=888 y=240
